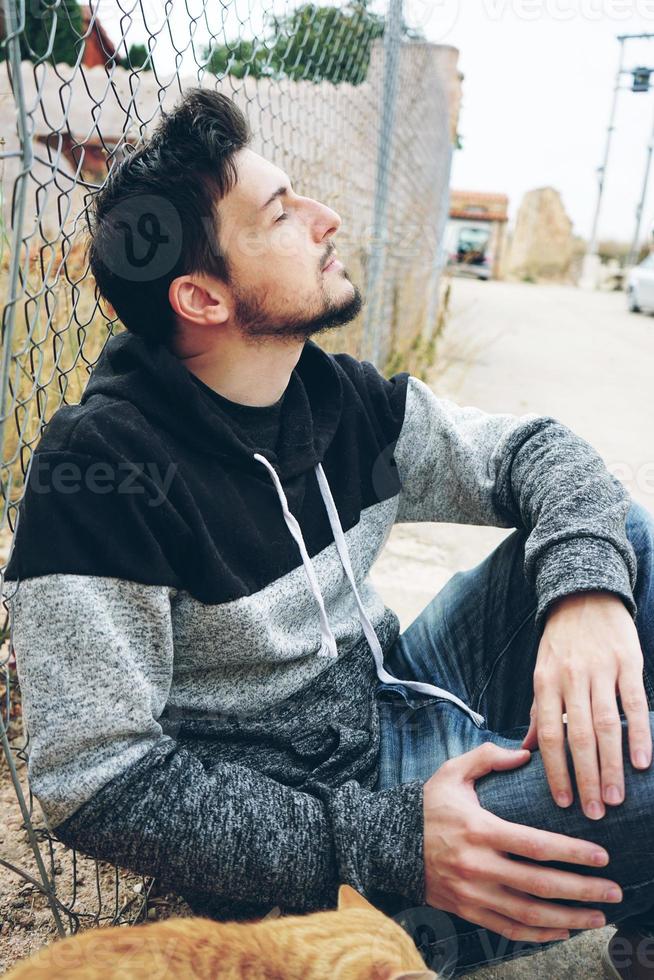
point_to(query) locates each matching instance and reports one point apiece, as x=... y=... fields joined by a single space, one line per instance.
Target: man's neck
x=250 y=374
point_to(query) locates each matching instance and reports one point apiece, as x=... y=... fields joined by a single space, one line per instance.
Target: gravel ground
x=555 y=350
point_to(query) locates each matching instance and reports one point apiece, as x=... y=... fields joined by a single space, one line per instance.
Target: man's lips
x=334 y=263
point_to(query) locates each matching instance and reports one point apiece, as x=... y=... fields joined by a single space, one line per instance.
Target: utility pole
x=592 y=247
x=589 y=277
x=633 y=251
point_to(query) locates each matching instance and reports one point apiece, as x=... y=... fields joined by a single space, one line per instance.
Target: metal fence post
x=18 y=210
x=441 y=259
x=13 y=26
x=375 y=278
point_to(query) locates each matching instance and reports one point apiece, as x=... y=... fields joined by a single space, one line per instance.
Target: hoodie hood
x=154 y=380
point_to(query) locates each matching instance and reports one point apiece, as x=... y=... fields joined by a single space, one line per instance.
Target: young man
x=214 y=692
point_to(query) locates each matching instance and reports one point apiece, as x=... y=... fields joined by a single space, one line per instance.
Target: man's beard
x=258 y=323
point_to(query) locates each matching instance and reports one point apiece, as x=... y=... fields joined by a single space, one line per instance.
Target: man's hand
x=468 y=872
x=588 y=654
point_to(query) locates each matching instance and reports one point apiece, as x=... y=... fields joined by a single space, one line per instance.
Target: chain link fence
x=358 y=108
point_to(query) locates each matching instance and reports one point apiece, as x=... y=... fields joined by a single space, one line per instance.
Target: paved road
x=558 y=351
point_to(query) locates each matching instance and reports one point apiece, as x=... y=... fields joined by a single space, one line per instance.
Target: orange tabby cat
x=353 y=942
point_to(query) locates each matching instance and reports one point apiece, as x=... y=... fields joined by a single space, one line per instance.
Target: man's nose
x=327 y=223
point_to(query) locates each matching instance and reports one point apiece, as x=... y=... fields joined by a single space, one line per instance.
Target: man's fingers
x=582 y=740
x=636 y=709
x=530 y=741
x=543 y=882
x=541 y=845
x=551 y=742
x=532 y=912
x=486 y=758
x=547 y=915
x=516 y=931
x=606 y=722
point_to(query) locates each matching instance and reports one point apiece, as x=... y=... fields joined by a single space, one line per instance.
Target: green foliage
x=138 y=58
x=239 y=59
x=326 y=43
x=315 y=43
x=47 y=24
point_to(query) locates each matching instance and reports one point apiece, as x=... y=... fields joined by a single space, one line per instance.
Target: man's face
x=277 y=247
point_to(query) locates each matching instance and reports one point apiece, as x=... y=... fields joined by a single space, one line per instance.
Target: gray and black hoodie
x=198 y=641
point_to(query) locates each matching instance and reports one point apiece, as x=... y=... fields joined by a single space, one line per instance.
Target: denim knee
x=640 y=531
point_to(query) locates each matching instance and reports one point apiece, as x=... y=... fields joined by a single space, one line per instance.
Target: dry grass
x=59 y=330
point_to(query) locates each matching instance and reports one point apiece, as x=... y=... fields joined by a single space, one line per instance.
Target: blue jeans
x=477 y=639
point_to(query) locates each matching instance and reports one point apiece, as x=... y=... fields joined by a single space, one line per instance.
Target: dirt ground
x=554 y=350
x=507 y=347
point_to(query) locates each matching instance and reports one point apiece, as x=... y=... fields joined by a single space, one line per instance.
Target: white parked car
x=640 y=286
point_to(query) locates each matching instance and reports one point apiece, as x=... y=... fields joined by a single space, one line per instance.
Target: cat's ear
x=349 y=898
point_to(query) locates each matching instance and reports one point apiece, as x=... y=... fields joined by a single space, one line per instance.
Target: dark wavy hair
x=156 y=217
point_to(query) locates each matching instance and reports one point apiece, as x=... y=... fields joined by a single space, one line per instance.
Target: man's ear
x=199 y=299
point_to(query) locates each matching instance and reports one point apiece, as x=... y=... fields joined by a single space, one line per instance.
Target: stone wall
x=542 y=243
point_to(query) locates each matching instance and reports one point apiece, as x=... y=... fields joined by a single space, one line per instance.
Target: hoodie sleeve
x=466 y=466
x=94 y=655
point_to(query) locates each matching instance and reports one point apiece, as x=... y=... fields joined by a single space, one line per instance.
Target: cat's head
x=393 y=953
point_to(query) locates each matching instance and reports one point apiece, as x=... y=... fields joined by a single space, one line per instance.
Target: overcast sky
x=537 y=90
x=539 y=77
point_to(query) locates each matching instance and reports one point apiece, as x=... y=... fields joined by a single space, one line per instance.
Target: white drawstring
x=328 y=648
x=368 y=629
